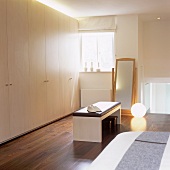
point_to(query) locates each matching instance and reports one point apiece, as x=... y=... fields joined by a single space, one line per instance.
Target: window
x=98 y=51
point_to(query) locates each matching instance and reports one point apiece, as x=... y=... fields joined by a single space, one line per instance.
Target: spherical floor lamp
x=138 y=110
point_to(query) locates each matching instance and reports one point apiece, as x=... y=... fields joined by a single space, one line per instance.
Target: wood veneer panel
x=17 y=32
x=36 y=20
x=52 y=64
x=4 y=111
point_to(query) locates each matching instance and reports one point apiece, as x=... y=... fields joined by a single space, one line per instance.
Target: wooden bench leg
x=110 y=122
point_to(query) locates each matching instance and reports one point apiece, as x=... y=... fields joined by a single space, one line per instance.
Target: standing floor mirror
x=125 y=83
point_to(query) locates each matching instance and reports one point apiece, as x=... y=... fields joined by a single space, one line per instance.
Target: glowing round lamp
x=138 y=124
x=138 y=110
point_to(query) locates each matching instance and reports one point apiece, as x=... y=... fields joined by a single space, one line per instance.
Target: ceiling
x=84 y=8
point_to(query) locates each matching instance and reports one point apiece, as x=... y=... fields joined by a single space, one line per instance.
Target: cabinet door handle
x=6 y=84
x=10 y=84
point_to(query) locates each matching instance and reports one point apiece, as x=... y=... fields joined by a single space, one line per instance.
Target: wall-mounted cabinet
x=38 y=76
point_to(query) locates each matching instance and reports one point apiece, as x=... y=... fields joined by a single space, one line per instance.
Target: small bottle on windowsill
x=91 y=68
x=85 y=67
x=98 y=68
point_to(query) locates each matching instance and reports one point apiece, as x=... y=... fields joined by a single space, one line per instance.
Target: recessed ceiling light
x=158 y=18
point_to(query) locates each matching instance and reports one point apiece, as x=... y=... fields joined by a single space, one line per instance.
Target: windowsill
x=95 y=71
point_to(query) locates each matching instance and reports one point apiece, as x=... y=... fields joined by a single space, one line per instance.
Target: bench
x=87 y=126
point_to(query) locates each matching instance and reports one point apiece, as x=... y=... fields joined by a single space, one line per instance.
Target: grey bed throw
x=145 y=153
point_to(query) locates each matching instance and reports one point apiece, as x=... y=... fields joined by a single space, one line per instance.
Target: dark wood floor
x=52 y=147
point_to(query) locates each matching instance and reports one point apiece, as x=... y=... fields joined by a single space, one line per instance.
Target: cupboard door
x=64 y=56
x=69 y=64
x=68 y=79
x=52 y=64
x=74 y=48
x=4 y=111
x=36 y=15
x=17 y=31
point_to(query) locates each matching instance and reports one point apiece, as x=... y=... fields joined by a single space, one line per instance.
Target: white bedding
x=113 y=153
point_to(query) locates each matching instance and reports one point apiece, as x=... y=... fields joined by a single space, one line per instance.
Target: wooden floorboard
x=52 y=147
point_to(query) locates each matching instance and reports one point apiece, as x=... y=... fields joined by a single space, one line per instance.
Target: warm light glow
x=138 y=110
x=138 y=124
x=117 y=86
x=57 y=6
x=158 y=18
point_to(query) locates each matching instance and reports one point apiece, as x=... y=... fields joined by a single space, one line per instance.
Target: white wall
x=140 y=70
x=156 y=49
x=96 y=80
x=126 y=46
x=127 y=42
x=126 y=37
x=95 y=87
x=147 y=42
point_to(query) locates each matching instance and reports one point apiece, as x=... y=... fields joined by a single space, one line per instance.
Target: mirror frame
x=133 y=80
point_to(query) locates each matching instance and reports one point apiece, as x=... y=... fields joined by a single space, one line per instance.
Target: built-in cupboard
x=39 y=54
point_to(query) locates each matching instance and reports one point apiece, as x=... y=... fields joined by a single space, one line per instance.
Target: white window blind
x=100 y=23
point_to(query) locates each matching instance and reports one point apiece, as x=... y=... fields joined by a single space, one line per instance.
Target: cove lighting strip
x=57 y=6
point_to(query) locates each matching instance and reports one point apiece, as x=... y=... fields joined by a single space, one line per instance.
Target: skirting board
x=126 y=112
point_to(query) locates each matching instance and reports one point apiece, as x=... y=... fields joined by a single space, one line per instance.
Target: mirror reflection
x=124 y=82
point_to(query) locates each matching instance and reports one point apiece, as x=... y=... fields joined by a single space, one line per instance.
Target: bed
x=117 y=156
